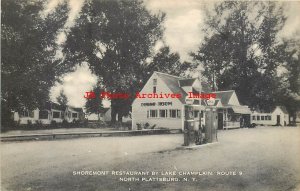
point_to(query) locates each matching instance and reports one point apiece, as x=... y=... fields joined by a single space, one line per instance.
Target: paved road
x=268 y=158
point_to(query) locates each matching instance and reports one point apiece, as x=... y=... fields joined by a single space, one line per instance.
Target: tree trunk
x=113 y=115
x=98 y=114
x=120 y=116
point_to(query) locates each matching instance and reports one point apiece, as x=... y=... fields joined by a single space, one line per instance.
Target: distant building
x=279 y=116
x=105 y=116
x=94 y=116
x=231 y=114
x=49 y=112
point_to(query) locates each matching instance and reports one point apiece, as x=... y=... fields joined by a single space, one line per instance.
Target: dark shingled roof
x=175 y=83
x=224 y=96
x=172 y=83
x=104 y=110
x=51 y=105
x=186 y=82
x=58 y=107
x=77 y=109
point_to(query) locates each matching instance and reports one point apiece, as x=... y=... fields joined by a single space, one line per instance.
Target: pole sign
x=189 y=100
x=211 y=102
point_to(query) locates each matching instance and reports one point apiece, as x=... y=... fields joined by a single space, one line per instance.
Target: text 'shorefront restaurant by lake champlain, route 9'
x=169 y=112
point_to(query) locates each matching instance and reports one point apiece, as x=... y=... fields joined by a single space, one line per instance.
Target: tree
x=29 y=67
x=115 y=38
x=95 y=105
x=62 y=98
x=168 y=62
x=289 y=91
x=241 y=50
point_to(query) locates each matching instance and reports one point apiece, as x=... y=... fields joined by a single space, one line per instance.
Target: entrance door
x=278 y=120
x=246 y=118
x=220 y=120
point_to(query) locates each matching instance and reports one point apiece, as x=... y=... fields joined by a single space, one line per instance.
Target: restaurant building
x=168 y=112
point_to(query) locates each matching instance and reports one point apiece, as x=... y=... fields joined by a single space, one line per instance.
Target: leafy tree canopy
x=117 y=38
x=28 y=47
x=242 y=51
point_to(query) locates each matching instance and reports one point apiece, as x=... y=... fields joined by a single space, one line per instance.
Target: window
x=43 y=114
x=154 y=82
x=196 y=114
x=74 y=115
x=175 y=113
x=262 y=117
x=31 y=114
x=258 y=118
x=152 y=113
x=163 y=113
x=172 y=113
x=269 y=117
x=178 y=113
x=55 y=114
x=253 y=117
x=24 y=114
x=154 y=89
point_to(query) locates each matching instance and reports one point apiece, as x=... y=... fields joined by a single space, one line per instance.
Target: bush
x=146 y=125
x=53 y=124
x=65 y=123
x=29 y=124
x=153 y=126
x=38 y=124
x=139 y=126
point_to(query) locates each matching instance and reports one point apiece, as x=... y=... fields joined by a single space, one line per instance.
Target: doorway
x=278 y=120
x=220 y=120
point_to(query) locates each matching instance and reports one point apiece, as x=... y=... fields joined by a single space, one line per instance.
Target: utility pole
x=200 y=89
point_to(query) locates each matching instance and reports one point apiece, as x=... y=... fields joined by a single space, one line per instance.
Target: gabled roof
x=224 y=96
x=205 y=87
x=186 y=82
x=58 y=107
x=104 y=110
x=283 y=109
x=76 y=109
x=175 y=83
x=172 y=83
x=51 y=105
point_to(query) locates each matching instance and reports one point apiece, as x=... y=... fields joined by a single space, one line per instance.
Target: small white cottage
x=49 y=112
x=279 y=116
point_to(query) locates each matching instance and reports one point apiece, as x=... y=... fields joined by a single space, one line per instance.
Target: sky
x=183 y=33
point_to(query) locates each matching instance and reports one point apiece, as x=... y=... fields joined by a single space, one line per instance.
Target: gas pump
x=193 y=131
x=192 y=124
x=189 y=126
x=211 y=124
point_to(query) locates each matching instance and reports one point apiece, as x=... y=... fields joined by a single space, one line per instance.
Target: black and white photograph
x=158 y=95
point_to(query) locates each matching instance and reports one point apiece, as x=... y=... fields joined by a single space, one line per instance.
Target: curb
x=54 y=136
